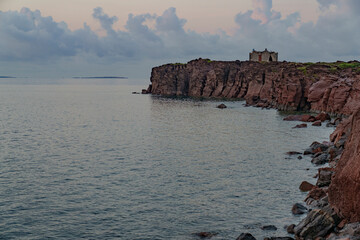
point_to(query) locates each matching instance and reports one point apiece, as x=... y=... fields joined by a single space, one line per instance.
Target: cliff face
x=333 y=87
x=344 y=191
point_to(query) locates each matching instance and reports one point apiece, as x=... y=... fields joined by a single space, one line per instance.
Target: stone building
x=263 y=56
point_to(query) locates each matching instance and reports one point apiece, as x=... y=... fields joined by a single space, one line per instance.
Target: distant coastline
x=101 y=77
x=7 y=77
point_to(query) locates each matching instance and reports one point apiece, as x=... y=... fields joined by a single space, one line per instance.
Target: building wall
x=263 y=56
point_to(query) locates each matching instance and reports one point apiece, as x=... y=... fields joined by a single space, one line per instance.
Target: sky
x=50 y=38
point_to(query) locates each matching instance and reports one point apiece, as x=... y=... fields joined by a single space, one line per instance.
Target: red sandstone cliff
x=344 y=191
x=330 y=87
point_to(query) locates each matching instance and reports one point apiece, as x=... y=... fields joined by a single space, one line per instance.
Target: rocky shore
x=333 y=203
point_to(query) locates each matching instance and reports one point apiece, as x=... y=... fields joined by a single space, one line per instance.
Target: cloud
x=27 y=36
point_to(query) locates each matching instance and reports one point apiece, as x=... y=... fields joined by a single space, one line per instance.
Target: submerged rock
x=245 y=236
x=205 y=234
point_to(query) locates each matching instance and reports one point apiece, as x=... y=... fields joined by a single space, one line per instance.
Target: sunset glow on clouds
x=31 y=39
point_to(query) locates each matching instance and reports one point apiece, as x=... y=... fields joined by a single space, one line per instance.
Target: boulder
x=290 y=228
x=306 y=186
x=303 y=125
x=321 y=159
x=301 y=118
x=316 y=193
x=222 y=106
x=316 y=123
x=245 y=236
x=323 y=117
x=318 y=223
x=269 y=227
x=324 y=176
x=298 y=209
x=205 y=234
x=293 y=153
x=279 y=238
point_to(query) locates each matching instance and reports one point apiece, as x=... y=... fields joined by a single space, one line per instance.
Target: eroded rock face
x=282 y=85
x=344 y=190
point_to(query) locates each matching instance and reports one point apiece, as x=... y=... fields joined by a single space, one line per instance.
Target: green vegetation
x=208 y=60
x=177 y=64
x=344 y=65
x=333 y=67
x=303 y=69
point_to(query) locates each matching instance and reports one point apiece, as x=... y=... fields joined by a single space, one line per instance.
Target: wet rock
x=317 y=123
x=279 y=238
x=293 y=153
x=316 y=194
x=323 y=117
x=321 y=159
x=340 y=143
x=269 y=228
x=222 y=106
x=324 y=178
x=301 y=118
x=135 y=93
x=144 y=91
x=205 y=234
x=317 y=204
x=303 y=125
x=306 y=186
x=245 y=236
x=299 y=157
x=308 y=151
x=298 y=209
x=334 y=152
x=318 y=223
x=351 y=229
x=290 y=228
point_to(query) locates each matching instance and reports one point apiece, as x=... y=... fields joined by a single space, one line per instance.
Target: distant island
x=103 y=77
x=6 y=77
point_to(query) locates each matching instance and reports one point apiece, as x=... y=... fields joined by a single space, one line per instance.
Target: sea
x=87 y=159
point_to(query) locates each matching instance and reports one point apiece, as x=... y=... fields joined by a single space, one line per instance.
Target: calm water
x=87 y=159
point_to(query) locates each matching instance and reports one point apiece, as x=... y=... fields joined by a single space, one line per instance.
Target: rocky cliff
x=344 y=191
x=329 y=87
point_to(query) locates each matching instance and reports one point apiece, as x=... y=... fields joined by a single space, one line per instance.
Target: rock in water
x=205 y=234
x=303 y=125
x=298 y=209
x=317 y=123
x=269 y=228
x=306 y=186
x=222 y=106
x=245 y=236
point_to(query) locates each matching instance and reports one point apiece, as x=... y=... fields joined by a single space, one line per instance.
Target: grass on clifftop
x=333 y=66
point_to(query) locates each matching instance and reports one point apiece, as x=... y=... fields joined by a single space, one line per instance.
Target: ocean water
x=88 y=159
